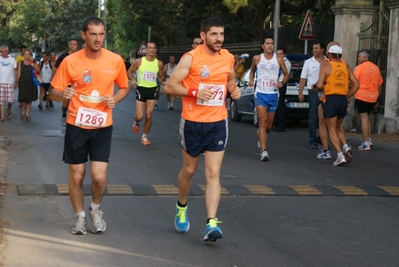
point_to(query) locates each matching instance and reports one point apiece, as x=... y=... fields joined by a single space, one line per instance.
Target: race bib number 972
x=218 y=95
x=90 y=117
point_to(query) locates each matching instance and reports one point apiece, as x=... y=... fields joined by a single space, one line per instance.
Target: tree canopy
x=50 y=23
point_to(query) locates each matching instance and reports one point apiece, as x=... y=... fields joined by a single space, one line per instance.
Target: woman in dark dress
x=27 y=91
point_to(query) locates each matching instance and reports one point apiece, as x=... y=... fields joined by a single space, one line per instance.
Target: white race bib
x=90 y=117
x=218 y=97
x=267 y=85
x=149 y=76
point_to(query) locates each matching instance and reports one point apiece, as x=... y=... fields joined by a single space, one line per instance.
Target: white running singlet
x=267 y=75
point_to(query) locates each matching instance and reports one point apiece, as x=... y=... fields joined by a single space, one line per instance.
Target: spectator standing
x=8 y=81
x=281 y=108
x=27 y=91
x=309 y=76
x=367 y=97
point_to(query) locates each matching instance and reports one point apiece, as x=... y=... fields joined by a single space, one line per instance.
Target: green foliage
x=173 y=22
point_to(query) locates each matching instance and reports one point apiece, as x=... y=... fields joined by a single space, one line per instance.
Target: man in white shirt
x=8 y=81
x=310 y=75
x=279 y=121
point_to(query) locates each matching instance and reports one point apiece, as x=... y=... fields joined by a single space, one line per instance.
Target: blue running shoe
x=212 y=231
x=181 y=220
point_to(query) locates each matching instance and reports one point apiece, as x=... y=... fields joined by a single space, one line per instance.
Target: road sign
x=142 y=50
x=307 y=31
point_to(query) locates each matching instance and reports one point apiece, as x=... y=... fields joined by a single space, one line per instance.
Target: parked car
x=295 y=110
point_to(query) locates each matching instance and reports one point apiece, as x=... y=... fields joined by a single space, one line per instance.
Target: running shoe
x=63 y=121
x=364 y=147
x=182 y=223
x=324 y=155
x=347 y=142
x=40 y=106
x=51 y=104
x=348 y=154
x=340 y=160
x=79 y=227
x=136 y=127
x=212 y=231
x=98 y=224
x=156 y=107
x=264 y=156
x=370 y=143
x=145 y=141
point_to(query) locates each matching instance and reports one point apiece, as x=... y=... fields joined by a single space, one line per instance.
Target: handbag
x=37 y=80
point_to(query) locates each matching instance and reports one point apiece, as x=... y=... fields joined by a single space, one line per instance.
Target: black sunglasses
x=197 y=43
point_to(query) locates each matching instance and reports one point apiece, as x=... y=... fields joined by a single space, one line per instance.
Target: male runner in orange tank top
x=202 y=78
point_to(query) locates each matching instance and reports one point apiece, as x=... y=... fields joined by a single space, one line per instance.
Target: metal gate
x=374 y=36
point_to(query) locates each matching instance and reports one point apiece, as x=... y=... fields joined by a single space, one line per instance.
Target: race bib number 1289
x=90 y=117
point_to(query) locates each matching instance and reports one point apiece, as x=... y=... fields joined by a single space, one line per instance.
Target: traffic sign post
x=307 y=31
x=142 y=49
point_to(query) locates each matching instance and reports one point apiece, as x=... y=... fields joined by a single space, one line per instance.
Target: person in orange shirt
x=367 y=98
x=202 y=78
x=334 y=78
x=92 y=73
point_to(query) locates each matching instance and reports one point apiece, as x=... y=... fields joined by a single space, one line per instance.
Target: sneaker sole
x=80 y=232
x=213 y=235
x=182 y=231
x=97 y=231
x=348 y=156
x=264 y=159
x=341 y=163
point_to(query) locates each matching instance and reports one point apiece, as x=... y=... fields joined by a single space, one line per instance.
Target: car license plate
x=298 y=105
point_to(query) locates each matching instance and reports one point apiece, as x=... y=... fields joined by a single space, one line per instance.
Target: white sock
x=369 y=140
x=144 y=135
x=94 y=206
x=81 y=214
x=345 y=147
x=367 y=143
x=339 y=154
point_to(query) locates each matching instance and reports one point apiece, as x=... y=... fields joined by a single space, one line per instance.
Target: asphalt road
x=294 y=210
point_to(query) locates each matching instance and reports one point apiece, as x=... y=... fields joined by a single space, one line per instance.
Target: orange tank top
x=207 y=70
x=337 y=82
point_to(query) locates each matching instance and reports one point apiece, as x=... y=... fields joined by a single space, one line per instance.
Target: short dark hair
x=22 y=47
x=46 y=53
x=207 y=23
x=267 y=37
x=282 y=48
x=70 y=40
x=366 y=53
x=150 y=42
x=320 y=43
x=91 y=20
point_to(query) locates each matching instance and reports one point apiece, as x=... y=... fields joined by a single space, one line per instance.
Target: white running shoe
x=79 y=227
x=348 y=154
x=340 y=160
x=324 y=155
x=264 y=156
x=98 y=224
x=364 y=147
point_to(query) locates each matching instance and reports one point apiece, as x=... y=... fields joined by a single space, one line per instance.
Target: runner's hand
x=235 y=92
x=70 y=92
x=205 y=94
x=110 y=101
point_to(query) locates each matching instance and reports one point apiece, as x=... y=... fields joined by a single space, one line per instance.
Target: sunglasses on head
x=197 y=43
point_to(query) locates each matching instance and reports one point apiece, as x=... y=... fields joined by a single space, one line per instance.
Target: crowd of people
x=204 y=78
